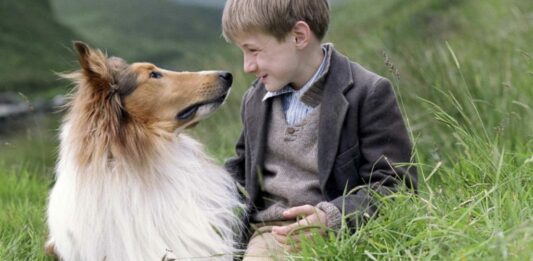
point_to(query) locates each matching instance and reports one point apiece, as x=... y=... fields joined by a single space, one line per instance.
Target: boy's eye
x=155 y=75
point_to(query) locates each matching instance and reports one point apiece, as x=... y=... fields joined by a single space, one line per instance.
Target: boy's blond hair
x=274 y=17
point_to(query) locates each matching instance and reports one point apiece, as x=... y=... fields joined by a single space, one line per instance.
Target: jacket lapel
x=260 y=127
x=256 y=122
x=332 y=114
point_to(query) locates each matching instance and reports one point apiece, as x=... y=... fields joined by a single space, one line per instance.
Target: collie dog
x=129 y=184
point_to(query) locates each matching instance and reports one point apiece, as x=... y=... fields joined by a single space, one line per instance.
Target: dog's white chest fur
x=111 y=211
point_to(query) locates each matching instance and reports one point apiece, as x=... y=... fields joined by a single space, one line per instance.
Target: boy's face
x=274 y=63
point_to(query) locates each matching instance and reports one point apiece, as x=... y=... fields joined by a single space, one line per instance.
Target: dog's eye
x=156 y=75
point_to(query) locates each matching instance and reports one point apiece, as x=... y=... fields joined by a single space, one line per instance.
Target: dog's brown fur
x=133 y=107
x=121 y=112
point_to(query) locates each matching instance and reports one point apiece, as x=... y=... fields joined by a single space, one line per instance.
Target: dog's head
x=146 y=94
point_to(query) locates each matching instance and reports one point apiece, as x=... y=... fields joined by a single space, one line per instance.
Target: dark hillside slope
x=163 y=32
x=32 y=46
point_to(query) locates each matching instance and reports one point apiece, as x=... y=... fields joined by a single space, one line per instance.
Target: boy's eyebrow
x=248 y=44
x=245 y=47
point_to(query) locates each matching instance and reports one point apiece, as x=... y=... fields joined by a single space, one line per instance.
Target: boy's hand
x=312 y=219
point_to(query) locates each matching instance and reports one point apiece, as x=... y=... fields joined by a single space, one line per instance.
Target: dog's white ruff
x=112 y=211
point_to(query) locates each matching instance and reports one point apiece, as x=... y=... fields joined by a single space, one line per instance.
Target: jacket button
x=290 y=130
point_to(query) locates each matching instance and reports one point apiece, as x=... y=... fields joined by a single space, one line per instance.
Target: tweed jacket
x=362 y=139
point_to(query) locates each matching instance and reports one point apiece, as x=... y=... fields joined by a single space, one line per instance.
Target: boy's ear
x=301 y=33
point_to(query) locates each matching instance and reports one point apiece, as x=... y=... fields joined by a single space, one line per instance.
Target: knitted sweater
x=291 y=176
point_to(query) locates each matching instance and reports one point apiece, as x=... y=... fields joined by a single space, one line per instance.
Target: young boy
x=321 y=134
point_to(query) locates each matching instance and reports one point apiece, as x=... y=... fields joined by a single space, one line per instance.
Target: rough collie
x=129 y=184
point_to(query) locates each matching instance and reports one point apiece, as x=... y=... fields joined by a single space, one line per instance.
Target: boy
x=321 y=134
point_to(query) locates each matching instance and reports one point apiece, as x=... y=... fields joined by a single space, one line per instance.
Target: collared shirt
x=294 y=108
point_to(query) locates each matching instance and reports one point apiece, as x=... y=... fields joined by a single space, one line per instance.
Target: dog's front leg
x=50 y=248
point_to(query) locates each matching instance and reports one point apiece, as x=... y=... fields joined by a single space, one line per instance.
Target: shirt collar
x=282 y=91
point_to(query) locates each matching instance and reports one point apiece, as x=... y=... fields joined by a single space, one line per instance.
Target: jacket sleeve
x=385 y=154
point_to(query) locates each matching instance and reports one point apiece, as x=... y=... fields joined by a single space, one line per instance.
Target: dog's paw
x=50 y=248
x=169 y=256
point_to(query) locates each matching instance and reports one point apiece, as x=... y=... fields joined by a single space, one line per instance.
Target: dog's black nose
x=226 y=77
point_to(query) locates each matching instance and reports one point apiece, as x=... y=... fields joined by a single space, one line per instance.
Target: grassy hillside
x=491 y=40
x=163 y=32
x=32 y=46
x=463 y=71
x=36 y=37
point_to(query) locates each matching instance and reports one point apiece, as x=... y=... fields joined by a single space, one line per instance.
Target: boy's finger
x=287 y=240
x=284 y=230
x=294 y=212
x=280 y=238
x=278 y=230
x=294 y=241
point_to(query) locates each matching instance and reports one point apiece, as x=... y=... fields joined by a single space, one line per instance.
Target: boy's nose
x=249 y=66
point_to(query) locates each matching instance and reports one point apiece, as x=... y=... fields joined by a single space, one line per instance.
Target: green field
x=463 y=71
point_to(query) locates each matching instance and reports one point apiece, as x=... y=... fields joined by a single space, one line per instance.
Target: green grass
x=31 y=141
x=463 y=71
x=22 y=201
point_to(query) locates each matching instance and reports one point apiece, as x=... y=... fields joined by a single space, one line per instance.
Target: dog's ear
x=94 y=66
x=83 y=51
x=84 y=54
